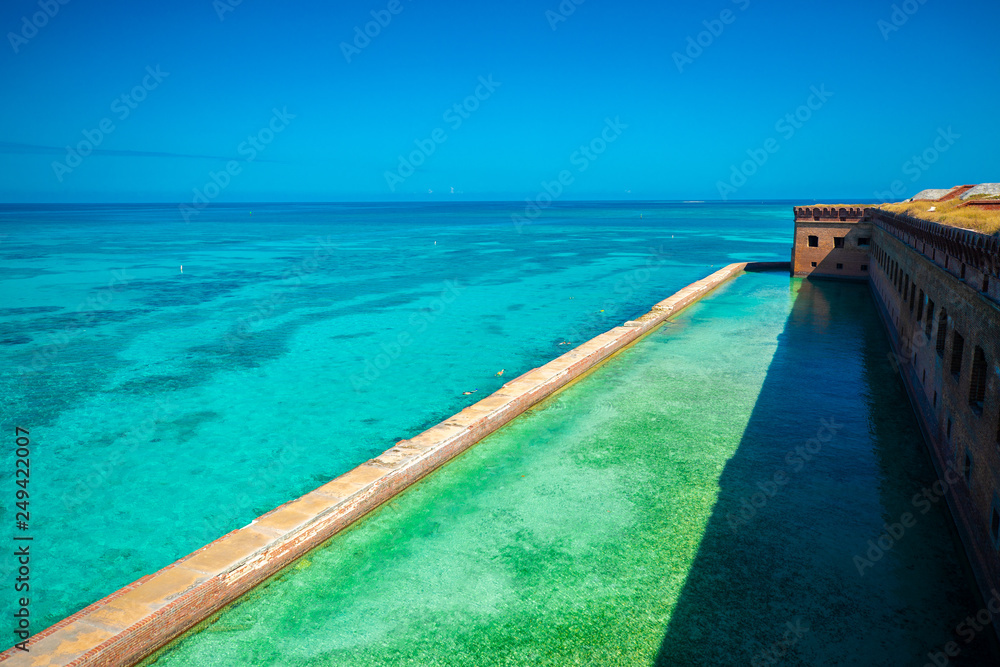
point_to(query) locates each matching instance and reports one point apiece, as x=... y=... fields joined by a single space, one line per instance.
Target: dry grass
x=949 y=213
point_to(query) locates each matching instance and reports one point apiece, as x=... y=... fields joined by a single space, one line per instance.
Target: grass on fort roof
x=949 y=213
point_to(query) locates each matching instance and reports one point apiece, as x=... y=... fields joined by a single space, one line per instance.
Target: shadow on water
x=785 y=573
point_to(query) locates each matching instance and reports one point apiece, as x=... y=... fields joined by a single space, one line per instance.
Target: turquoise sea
x=168 y=408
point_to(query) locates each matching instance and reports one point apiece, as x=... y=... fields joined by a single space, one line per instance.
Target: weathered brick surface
x=917 y=270
x=140 y=618
x=906 y=282
x=826 y=224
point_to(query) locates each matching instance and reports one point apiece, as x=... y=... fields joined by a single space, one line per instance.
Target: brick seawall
x=135 y=621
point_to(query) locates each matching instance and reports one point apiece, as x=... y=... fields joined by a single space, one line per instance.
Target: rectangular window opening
x=957 y=350
x=977 y=389
x=813 y=241
x=840 y=266
x=838 y=241
x=920 y=306
x=942 y=335
x=930 y=319
x=864 y=241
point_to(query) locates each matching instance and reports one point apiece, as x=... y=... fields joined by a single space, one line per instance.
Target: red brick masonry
x=135 y=621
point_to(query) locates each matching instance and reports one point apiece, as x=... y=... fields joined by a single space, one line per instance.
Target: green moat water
x=609 y=525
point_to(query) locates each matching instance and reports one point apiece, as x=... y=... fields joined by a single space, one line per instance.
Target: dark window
x=838 y=241
x=814 y=264
x=863 y=241
x=995 y=525
x=913 y=296
x=962 y=272
x=906 y=287
x=920 y=306
x=930 y=318
x=935 y=399
x=864 y=267
x=840 y=266
x=948 y=434
x=813 y=241
x=986 y=283
x=942 y=331
x=977 y=390
x=957 y=350
x=967 y=468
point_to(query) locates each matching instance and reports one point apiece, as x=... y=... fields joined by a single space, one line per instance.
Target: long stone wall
x=133 y=622
x=938 y=291
x=946 y=334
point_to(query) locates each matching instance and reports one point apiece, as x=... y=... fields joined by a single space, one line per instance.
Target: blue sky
x=619 y=99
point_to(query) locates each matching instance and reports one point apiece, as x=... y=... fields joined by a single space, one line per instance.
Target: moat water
x=167 y=408
x=715 y=495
